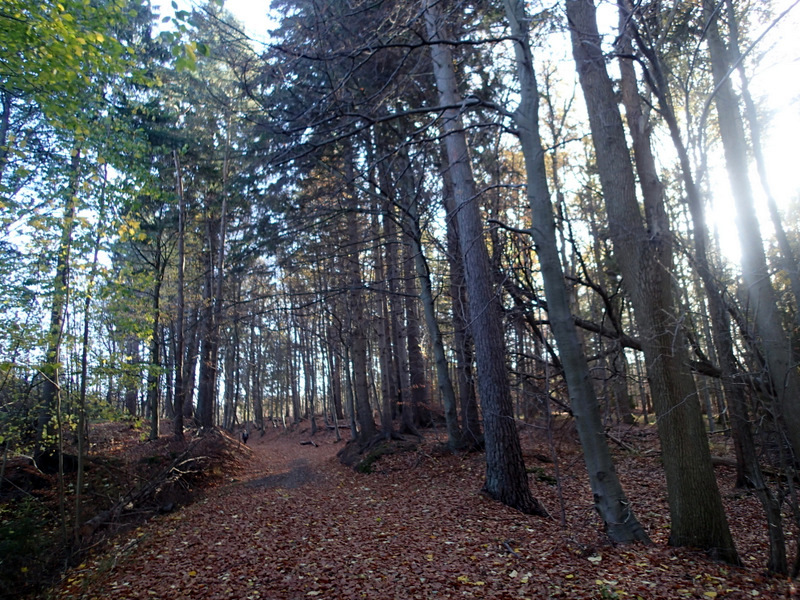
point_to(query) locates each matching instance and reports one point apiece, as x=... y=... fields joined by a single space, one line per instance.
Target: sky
x=254 y=15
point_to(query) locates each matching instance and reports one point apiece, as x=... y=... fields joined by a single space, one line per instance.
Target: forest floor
x=294 y=523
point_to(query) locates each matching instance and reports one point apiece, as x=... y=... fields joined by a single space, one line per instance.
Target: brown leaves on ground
x=295 y=523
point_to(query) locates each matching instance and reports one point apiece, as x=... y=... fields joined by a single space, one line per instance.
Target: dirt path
x=296 y=524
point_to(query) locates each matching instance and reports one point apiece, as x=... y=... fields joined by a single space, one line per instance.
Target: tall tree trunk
x=351 y=401
x=168 y=365
x=383 y=331
x=293 y=369
x=718 y=313
x=409 y=208
x=132 y=376
x=788 y=260
x=358 y=335
x=154 y=369
x=209 y=347
x=774 y=341
x=426 y=296
x=609 y=499
x=396 y=305
x=180 y=324
x=255 y=378
x=84 y=382
x=190 y=365
x=335 y=368
x=644 y=255
x=419 y=409
x=228 y=406
x=506 y=478
x=51 y=369
x=467 y=398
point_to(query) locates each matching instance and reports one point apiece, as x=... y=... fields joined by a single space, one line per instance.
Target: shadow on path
x=299 y=475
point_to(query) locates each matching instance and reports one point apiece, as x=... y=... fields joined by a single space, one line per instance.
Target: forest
x=490 y=225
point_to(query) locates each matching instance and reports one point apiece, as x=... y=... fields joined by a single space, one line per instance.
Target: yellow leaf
x=710 y=594
x=192 y=573
x=462 y=579
x=570 y=576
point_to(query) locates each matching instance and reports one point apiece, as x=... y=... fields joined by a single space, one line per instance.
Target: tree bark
x=51 y=369
x=467 y=399
x=609 y=499
x=788 y=259
x=358 y=332
x=396 y=305
x=774 y=341
x=506 y=478
x=419 y=410
x=132 y=376
x=209 y=344
x=180 y=343
x=720 y=323
x=644 y=255
x=154 y=370
x=426 y=296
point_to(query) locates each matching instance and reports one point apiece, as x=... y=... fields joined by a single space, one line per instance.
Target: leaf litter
x=294 y=523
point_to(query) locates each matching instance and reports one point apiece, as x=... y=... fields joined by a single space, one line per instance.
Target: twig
x=510 y=549
x=620 y=443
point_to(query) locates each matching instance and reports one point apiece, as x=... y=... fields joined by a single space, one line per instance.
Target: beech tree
x=643 y=250
x=749 y=468
x=609 y=499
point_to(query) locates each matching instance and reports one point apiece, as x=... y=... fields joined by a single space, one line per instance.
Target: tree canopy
x=480 y=216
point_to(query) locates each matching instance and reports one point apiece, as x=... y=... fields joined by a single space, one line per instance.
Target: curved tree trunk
x=609 y=499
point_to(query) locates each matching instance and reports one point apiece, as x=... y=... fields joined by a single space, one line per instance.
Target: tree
x=58 y=61
x=749 y=472
x=644 y=254
x=609 y=499
x=773 y=340
x=506 y=479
